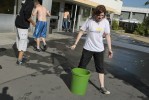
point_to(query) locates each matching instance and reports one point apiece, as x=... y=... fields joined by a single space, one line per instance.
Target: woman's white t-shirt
x=95 y=30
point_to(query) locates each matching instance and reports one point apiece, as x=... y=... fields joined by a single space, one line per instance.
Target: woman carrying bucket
x=95 y=26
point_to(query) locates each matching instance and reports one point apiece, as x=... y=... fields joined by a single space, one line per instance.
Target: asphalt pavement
x=47 y=75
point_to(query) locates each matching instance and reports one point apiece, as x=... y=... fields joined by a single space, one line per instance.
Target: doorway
x=72 y=10
x=54 y=15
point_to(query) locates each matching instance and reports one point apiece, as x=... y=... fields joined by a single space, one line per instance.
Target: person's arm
x=48 y=13
x=110 y=52
x=108 y=38
x=77 y=39
x=34 y=13
x=28 y=12
x=83 y=29
x=68 y=16
x=31 y=21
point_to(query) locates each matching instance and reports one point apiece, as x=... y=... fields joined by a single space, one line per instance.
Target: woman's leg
x=85 y=58
x=98 y=59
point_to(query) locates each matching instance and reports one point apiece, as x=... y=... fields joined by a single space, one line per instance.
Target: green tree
x=143 y=28
x=147 y=2
x=115 y=25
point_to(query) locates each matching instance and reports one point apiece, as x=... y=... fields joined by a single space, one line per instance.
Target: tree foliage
x=143 y=29
x=115 y=25
x=146 y=3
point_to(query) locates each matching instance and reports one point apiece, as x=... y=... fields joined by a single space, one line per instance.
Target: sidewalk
x=137 y=37
x=46 y=76
x=8 y=57
x=9 y=38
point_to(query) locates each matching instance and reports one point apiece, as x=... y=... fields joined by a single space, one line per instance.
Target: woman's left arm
x=110 y=52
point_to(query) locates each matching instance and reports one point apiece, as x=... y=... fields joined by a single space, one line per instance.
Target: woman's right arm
x=77 y=39
x=84 y=27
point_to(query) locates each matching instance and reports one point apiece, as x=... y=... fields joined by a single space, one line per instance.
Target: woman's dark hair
x=99 y=9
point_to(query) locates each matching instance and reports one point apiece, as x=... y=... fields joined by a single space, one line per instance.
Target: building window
x=133 y=13
x=125 y=15
x=86 y=13
x=55 y=8
x=7 y=6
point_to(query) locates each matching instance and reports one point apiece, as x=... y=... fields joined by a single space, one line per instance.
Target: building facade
x=130 y=17
x=79 y=10
x=133 y=13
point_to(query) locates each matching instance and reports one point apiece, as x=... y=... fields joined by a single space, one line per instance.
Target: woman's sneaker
x=104 y=90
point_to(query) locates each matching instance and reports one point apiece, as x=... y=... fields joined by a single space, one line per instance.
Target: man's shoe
x=44 y=47
x=19 y=62
x=36 y=49
x=25 y=59
x=104 y=90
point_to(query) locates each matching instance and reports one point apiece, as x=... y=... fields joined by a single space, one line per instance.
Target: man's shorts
x=22 y=39
x=40 y=29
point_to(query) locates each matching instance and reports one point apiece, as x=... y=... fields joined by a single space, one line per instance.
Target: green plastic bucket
x=79 y=81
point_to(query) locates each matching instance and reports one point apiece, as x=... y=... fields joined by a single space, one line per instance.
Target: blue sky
x=135 y=3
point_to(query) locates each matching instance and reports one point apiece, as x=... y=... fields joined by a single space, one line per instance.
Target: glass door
x=54 y=15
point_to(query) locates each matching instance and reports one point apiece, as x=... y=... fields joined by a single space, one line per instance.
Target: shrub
x=141 y=30
x=115 y=25
x=146 y=22
x=120 y=28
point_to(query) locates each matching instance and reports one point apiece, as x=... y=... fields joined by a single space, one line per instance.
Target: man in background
x=22 y=24
x=65 y=20
x=41 y=26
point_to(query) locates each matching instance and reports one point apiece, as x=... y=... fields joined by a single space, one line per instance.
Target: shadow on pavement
x=141 y=97
x=2 y=49
x=32 y=42
x=61 y=66
x=14 y=47
x=67 y=79
x=94 y=85
x=4 y=95
x=64 y=63
x=8 y=52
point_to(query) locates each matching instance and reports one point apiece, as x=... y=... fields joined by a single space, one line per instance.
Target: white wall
x=48 y=5
x=114 y=4
x=7 y=22
x=134 y=9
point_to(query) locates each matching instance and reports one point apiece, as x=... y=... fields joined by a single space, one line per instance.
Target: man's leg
x=43 y=36
x=36 y=35
x=44 y=41
x=66 y=24
x=63 y=25
x=20 y=56
x=21 y=43
x=44 y=44
x=38 y=43
x=37 y=48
